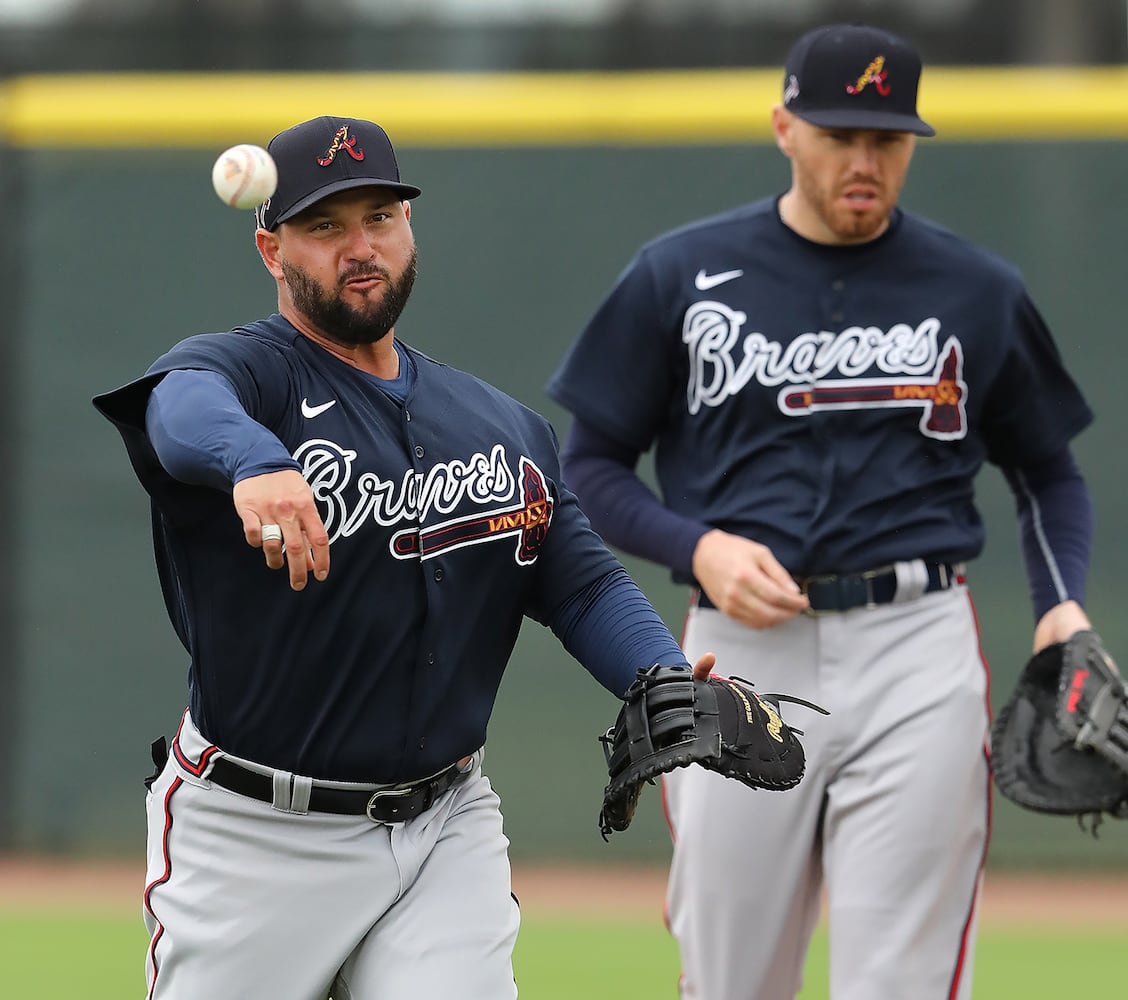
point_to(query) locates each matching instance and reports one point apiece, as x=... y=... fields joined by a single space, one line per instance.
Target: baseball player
x=321 y=824
x=822 y=375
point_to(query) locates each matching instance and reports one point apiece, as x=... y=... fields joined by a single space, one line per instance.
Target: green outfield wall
x=536 y=192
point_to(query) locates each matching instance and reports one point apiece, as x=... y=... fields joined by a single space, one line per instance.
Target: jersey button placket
x=837 y=315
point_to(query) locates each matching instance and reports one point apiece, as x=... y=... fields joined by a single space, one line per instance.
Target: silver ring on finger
x=271 y=533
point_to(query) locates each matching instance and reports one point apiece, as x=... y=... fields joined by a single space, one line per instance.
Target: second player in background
x=822 y=376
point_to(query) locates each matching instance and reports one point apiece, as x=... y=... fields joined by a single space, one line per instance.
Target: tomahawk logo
x=941 y=396
x=913 y=368
x=527 y=521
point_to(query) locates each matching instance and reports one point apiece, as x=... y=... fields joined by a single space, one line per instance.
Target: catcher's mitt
x=1060 y=745
x=669 y=720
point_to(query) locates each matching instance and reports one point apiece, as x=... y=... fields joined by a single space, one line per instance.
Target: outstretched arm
x=613 y=630
x=202 y=435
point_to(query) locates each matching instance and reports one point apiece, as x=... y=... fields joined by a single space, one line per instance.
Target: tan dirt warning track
x=1008 y=898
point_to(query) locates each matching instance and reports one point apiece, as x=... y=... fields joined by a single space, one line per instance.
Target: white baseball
x=244 y=176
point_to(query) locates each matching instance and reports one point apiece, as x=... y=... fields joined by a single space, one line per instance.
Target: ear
x=407 y=210
x=269 y=248
x=782 y=121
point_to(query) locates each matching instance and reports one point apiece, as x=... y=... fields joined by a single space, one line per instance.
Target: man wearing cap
x=321 y=824
x=822 y=375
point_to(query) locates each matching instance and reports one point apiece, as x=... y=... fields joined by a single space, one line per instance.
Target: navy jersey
x=832 y=402
x=447 y=525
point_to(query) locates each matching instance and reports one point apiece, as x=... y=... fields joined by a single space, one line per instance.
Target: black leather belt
x=831 y=593
x=392 y=804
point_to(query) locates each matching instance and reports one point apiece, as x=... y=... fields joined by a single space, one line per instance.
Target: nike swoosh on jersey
x=313 y=411
x=703 y=282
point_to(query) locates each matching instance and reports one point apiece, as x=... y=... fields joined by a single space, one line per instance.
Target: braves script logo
x=915 y=370
x=341 y=141
x=876 y=74
x=513 y=505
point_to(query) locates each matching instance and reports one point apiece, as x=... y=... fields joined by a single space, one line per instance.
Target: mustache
x=363 y=271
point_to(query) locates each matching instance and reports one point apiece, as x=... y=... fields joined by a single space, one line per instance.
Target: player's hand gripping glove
x=1060 y=745
x=670 y=720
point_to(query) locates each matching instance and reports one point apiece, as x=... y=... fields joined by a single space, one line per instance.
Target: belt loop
x=283 y=783
x=299 y=794
x=159 y=751
x=867 y=580
x=912 y=580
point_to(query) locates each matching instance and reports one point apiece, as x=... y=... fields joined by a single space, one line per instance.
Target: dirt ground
x=1008 y=899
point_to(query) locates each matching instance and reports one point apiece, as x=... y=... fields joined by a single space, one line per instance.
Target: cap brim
x=882 y=121
x=408 y=191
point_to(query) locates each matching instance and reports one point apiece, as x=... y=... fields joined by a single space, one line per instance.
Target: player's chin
x=855 y=223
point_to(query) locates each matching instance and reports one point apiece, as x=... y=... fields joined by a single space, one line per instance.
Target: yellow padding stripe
x=528 y=109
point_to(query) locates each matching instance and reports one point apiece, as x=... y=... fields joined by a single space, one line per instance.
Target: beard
x=853 y=227
x=344 y=324
x=847 y=226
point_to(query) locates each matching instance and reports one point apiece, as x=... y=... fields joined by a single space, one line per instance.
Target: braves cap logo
x=341 y=141
x=876 y=74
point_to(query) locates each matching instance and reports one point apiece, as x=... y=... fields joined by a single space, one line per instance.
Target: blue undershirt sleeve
x=202 y=435
x=1055 y=519
x=620 y=506
x=612 y=629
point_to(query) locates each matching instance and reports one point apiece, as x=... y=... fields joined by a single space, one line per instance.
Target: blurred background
x=114 y=247
x=529 y=34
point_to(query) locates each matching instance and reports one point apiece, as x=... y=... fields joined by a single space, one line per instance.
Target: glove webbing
x=775 y=699
x=1093 y=700
x=1106 y=729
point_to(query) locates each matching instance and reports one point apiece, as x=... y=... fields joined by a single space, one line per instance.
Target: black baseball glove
x=669 y=720
x=1060 y=745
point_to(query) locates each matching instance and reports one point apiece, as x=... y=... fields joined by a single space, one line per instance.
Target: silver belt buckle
x=867 y=578
x=804 y=583
x=383 y=793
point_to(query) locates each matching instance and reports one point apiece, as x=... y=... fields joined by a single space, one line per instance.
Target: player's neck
x=380 y=358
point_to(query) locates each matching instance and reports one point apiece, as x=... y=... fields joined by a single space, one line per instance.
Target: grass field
x=49 y=955
x=567 y=960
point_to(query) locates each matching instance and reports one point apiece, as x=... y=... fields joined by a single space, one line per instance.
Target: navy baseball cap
x=854 y=76
x=325 y=155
